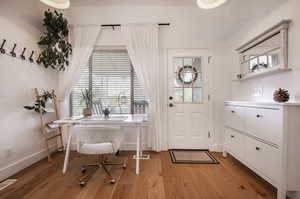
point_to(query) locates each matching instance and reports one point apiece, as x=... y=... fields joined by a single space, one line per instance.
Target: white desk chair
x=95 y=140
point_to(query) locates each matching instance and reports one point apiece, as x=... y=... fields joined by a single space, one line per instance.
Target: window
x=188 y=84
x=113 y=82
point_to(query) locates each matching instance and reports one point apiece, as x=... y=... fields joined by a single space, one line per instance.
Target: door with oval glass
x=188 y=109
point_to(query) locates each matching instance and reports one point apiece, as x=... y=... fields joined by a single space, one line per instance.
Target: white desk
x=137 y=121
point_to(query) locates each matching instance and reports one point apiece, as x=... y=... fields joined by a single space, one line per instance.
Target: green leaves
x=87 y=97
x=40 y=102
x=54 y=41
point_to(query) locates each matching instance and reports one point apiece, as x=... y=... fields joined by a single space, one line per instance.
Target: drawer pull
x=232 y=111
x=232 y=136
x=257 y=148
x=258 y=116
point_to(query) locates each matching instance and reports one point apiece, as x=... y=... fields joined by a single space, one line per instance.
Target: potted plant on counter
x=86 y=97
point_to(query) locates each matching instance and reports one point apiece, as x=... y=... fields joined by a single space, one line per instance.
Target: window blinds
x=112 y=80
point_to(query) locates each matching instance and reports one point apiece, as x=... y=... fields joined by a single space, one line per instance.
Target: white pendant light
x=209 y=4
x=59 y=4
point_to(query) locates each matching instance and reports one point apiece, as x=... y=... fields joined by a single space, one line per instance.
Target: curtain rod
x=118 y=25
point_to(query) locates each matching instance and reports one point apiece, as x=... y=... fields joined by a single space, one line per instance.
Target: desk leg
x=137 y=160
x=68 y=148
x=142 y=156
x=141 y=142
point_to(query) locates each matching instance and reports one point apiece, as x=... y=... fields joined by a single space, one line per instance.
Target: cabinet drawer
x=264 y=123
x=263 y=157
x=235 y=143
x=235 y=117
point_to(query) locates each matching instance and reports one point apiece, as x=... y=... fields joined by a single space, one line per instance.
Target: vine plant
x=54 y=41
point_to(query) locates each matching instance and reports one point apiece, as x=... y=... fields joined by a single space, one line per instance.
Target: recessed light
x=59 y=4
x=209 y=4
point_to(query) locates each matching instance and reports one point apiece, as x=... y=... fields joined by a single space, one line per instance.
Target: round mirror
x=187 y=74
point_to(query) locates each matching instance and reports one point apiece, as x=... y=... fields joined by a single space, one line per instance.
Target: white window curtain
x=143 y=50
x=83 y=39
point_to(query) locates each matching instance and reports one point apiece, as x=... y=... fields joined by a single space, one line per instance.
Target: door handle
x=171 y=105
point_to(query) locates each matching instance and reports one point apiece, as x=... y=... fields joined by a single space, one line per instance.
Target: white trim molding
x=23 y=163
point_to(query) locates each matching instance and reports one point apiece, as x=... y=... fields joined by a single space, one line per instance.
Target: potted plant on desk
x=86 y=97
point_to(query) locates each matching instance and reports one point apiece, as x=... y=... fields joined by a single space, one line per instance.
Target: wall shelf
x=263 y=72
x=265 y=54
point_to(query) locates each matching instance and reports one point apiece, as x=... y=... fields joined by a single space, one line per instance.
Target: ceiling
x=230 y=3
x=133 y=2
x=226 y=19
x=218 y=23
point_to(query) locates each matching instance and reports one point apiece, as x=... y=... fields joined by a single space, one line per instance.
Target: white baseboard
x=73 y=147
x=132 y=147
x=23 y=163
x=293 y=194
x=124 y=147
x=216 y=148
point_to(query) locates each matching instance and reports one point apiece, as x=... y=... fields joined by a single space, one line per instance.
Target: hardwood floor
x=159 y=179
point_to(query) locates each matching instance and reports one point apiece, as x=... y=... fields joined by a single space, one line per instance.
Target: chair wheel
x=112 y=181
x=82 y=183
x=124 y=166
x=83 y=170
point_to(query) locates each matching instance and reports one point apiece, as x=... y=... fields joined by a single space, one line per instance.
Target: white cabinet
x=235 y=142
x=264 y=123
x=235 y=117
x=266 y=138
x=263 y=157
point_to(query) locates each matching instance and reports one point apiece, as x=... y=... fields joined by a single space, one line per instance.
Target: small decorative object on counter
x=239 y=76
x=106 y=113
x=281 y=95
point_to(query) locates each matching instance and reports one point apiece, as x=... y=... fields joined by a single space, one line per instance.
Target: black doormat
x=192 y=156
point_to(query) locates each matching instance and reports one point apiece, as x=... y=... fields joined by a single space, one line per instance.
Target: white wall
x=289 y=80
x=21 y=142
x=188 y=30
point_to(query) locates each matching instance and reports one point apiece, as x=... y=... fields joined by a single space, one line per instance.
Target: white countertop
x=268 y=103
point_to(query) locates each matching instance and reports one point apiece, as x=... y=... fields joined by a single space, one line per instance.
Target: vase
x=87 y=112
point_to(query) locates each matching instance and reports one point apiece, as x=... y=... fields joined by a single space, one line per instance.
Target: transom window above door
x=188 y=82
x=113 y=82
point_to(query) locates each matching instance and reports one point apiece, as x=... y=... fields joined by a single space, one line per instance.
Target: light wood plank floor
x=159 y=179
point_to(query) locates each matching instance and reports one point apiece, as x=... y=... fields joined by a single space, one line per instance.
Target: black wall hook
x=12 y=52
x=30 y=58
x=2 y=50
x=38 y=61
x=22 y=55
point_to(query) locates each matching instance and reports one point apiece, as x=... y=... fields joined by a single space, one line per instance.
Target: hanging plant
x=54 y=41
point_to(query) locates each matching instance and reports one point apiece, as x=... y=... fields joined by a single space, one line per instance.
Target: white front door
x=188 y=118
